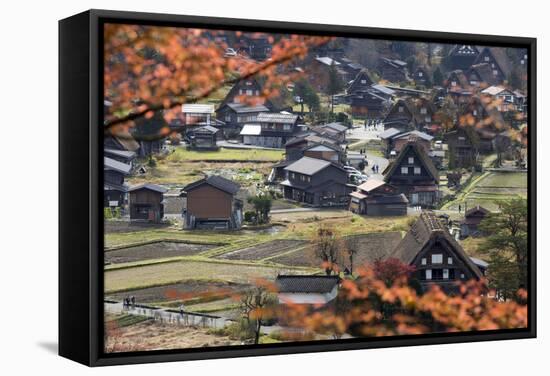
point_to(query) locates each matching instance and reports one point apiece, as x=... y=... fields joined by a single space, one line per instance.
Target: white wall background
x=28 y=175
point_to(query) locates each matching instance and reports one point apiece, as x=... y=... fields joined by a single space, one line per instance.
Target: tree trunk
x=257 y=334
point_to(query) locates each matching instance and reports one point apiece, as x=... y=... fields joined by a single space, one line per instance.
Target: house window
x=473 y=83
x=249 y=92
x=287 y=127
x=423 y=261
x=420 y=74
x=423 y=111
x=363 y=81
x=292 y=175
x=401 y=109
x=240 y=91
x=495 y=72
x=486 y=58
x=257 y=92
x=417 y=170
x=474 y=112
x=437 y=258
x=428 y=119
x=428 y=274
x=404 y=170
x=445 y=273
x=449 y=260
x=462 y=276
x=227 y=118
x=411 y=160
x=453 y=83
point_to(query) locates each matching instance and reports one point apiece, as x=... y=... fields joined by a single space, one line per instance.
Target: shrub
x=249 y=216
x=107 y=213
x=118 y=212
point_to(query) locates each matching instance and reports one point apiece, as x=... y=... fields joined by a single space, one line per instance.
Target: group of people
x=375 y=168
x=129 y=301
x=372 y=125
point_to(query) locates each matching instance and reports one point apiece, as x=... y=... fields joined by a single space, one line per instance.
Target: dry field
x=154 y=251
x=150 y=335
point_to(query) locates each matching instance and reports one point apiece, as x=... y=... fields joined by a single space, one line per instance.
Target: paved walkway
x=360 y=133
x=168 y=316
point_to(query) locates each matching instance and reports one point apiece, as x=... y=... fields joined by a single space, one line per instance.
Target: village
x=399 y=153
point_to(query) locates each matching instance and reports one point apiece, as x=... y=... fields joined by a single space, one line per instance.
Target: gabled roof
x=495 y=90
x=371 y=184
x=215 y=181
x=383 y=89
x=251 y=130
x=426 y=230
x=241 y=108
x=325 y=144
x=461 y=78
x=125 y=140
x=325 y=60
x=484 y=72
x=338 y=127
x=414 y=133
x=280 y=118
x=389 y=133
x=422 y=156
x=206 y=129
x=476 y=209
x=464 y=50
x=196 y=108
x=362 y=75
x=127 y=154
x=114 y=165
x=150 y=187
x=313 y=284
x=310 y=166
x=500 y=57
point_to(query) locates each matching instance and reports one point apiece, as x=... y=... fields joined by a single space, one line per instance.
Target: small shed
x=307 y=289
x=147 y=202
x=472 y=218
x=204 y=138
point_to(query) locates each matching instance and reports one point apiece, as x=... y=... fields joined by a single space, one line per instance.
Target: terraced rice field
x=263 y=250
x=174 y=272
x=156 y=250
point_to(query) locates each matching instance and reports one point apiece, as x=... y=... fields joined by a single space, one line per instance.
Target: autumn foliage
x=149 y=69
x=370 y=306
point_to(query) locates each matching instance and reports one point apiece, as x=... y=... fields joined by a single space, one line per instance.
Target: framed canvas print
x=240 y=187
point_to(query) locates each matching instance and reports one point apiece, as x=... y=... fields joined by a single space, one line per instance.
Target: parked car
x=230 y=52
x=351 y=169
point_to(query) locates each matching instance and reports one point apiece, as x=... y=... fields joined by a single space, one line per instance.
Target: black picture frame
x=80 y=180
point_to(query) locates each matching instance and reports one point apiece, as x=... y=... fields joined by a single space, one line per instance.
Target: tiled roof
x=319 y=284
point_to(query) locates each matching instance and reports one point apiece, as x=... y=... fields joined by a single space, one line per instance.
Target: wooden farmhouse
x=351 y=68
x=437 y=257
x=307 y=289
x=255 y=46
x=122 y=141
x=462 y=56
x=271 y=130
x=422 y=75
x=504 y=99
x=481 y=76
x=361 y=83
x=204 y=138
x=236 y=115
x=212 y=204
x=393 y=70
x=333 y=131
x=147 y=202
x=368 y=105
x=414 y=174
x=114 y=188
x=311 y=145
x=423 y=140
x=457 y=82
x=462 y=143
x=316 y=182
x=498 y=62
x=319 y=69
x=376 y=198
x=472 y=218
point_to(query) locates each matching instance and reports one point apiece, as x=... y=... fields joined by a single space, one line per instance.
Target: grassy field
x=174 y=272
x=489 y=188
x=181 y=154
